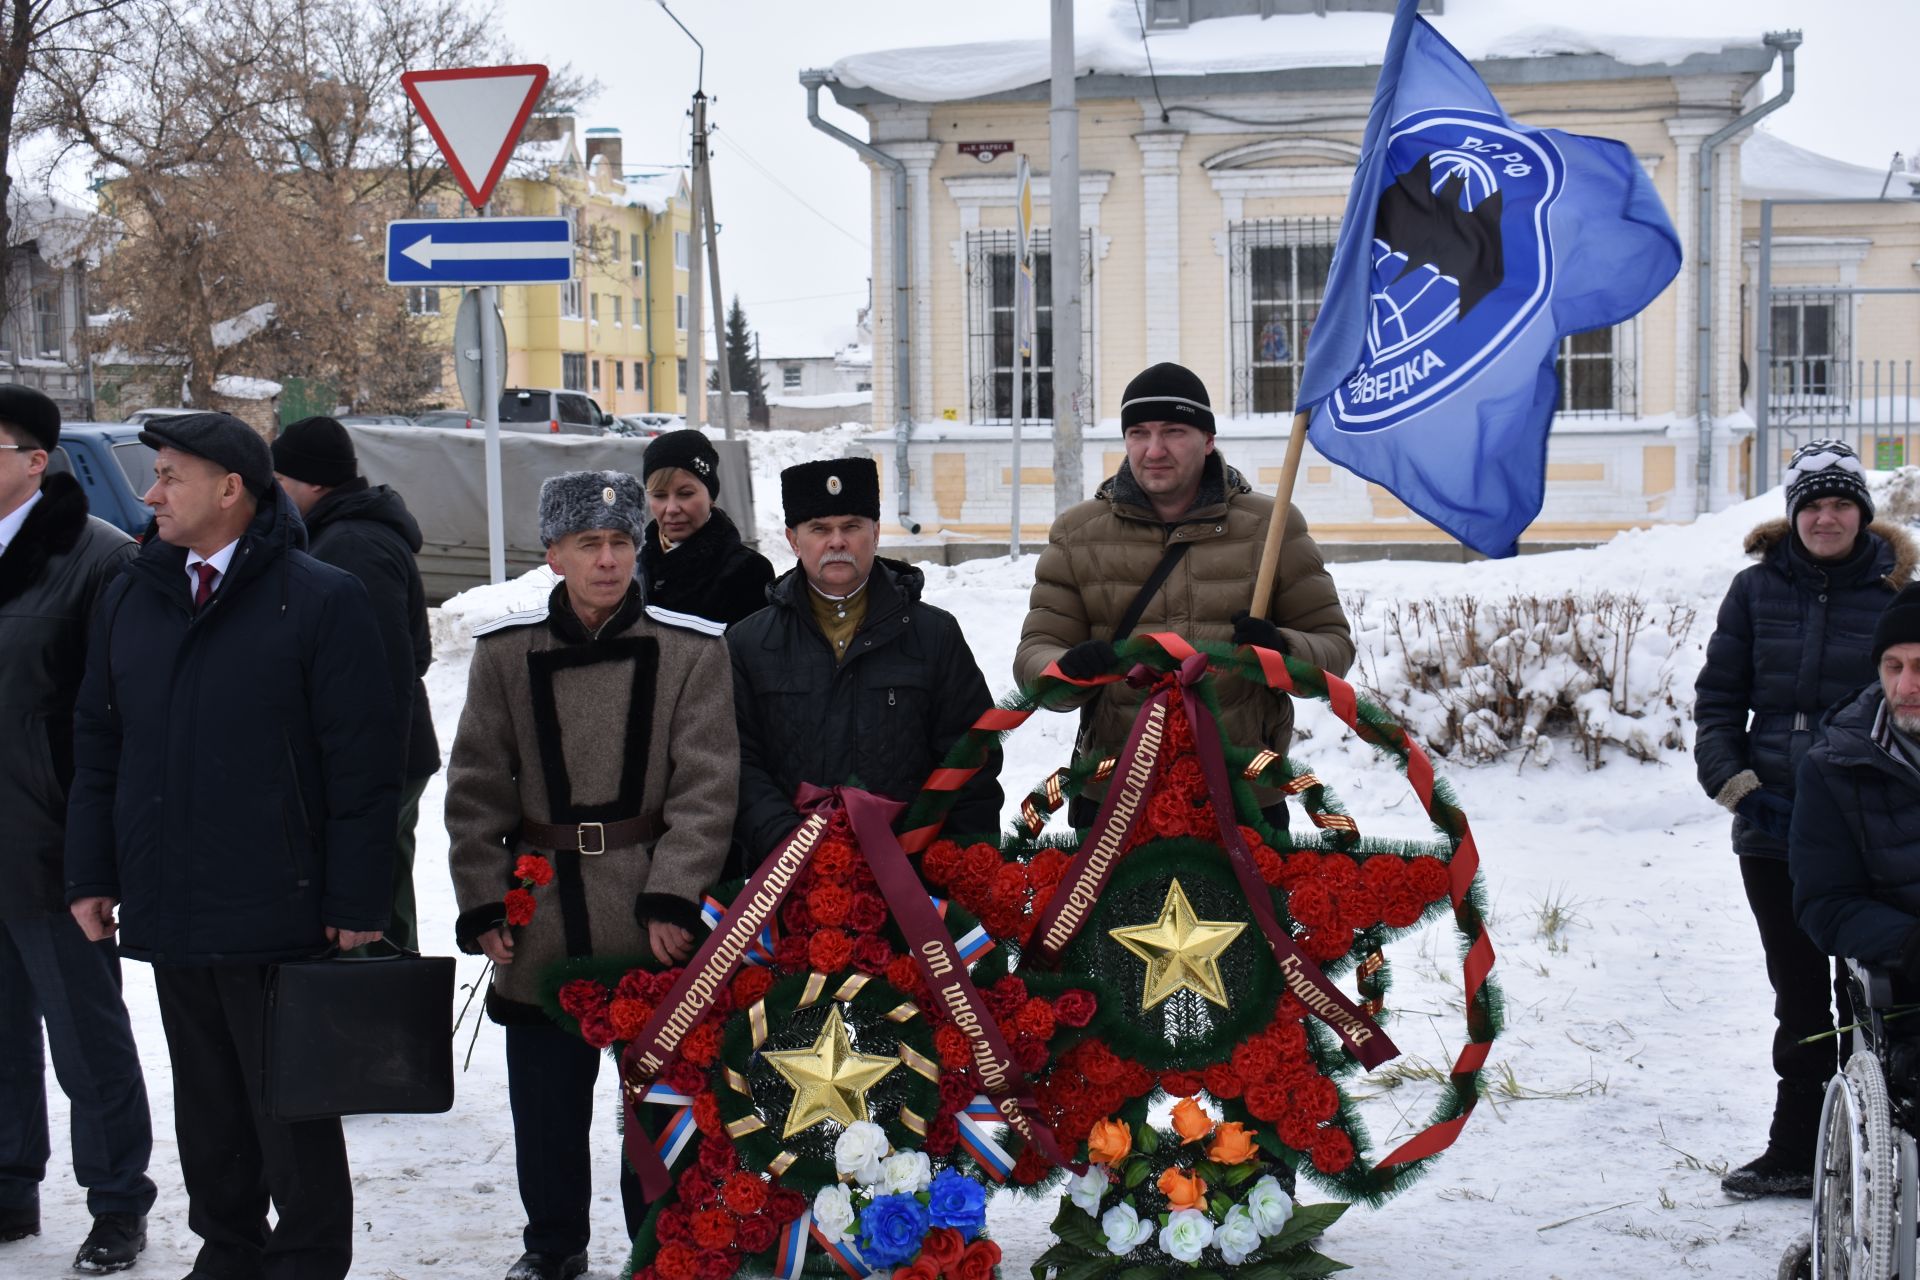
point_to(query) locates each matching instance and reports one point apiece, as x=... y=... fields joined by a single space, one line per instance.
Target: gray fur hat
x=577 y=501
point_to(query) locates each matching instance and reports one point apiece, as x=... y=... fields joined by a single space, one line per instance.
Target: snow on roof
x=1107 y=42
x=652 y=190
x=237 y=387
x=60 y=230
x=1771 y=168
x=237 y=329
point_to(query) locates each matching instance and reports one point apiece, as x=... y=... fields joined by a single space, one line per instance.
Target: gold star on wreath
x=1182 y=952
x=830 y=1080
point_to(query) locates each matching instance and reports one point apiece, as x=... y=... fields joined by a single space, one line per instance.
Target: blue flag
x=1471 y=245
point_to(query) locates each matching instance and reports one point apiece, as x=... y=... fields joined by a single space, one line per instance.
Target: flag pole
x=1277 y=525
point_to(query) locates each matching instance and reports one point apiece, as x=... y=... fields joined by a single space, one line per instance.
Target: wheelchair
x=1867 y=1171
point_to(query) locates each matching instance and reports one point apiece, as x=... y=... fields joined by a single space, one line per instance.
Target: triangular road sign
x=476 y=115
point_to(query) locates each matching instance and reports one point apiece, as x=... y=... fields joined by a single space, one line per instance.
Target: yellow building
x=618 y=330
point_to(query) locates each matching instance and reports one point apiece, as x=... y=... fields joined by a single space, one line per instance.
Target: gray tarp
x=442 y=474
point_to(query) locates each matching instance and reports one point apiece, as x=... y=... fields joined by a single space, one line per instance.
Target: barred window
x=1596 y=371
x=1276 y=277
x=993 y=282
x=1810 y=349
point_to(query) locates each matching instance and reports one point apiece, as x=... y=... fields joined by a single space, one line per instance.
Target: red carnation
x=1254 y=1060
x=1311 y=904
x=1266 y=1101
x=750 y=984
x=1383 y=872
x=675 y=1226
x=1075 y=1007
x=1029 y=1169
x=684 y=1077
x=872 y=955
x=715 y=1264
x=1318 y=1098
x=1180 y=1084
x=629 y=1018
x=713 y=1228
x=745 y=1194
x=533 y=868
x=829 y=903
x=1297 y=1131
x=1034 y=1019
x=833 y=860
x=1099 y=1063
x=829 y=950
x=1332 y=1151
x=596 y=1029
x=903 y=974
x=1289 y=1039
x=951 y=1043
x=1270 y=865
x=790 y=953
x=1134 y=1080
x=756 y=1234
x=795 y=917
x=580 y=997
x=660 y=985
x=519 y=906
x=717 y=1160
x=1327 y=945
x=1429 y=878
x=1359 y=907
x=677 y=1262
x=1006 y=997
x=943 y=1135
x=1301 y=865
x=1402 y=907
x=1221 y=1080
x=696 y=1185
x=633 y=986
x=1031 y=1055
x=1048 y=868
x=784 y=1205
x=1010 y=884
x=941 y=862
x=702 y=1045
x=982 y=1256
x=868 y=914
x=1339 y=870
x=706 y=1115
x=983 y=863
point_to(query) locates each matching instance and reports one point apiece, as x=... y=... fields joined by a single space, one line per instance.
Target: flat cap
x=221 y=439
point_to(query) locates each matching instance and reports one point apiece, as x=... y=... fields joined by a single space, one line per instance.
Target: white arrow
x=424 y=251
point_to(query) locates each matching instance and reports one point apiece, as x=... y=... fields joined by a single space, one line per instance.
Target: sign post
x=476 y=115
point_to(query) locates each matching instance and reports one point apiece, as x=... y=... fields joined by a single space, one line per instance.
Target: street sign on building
x=476 y=114
x=461 y=251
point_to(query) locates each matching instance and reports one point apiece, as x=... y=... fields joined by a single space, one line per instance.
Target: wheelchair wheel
x=1855 y=1189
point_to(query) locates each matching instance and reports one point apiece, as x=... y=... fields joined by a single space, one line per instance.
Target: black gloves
x=1248 y=629
x=1773 y=814
x=1088 y=659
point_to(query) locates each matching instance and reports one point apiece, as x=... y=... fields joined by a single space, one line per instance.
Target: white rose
x=1125 y=1231
x=906 y=1173
x=861 y=1151
x=1270 y=1206
x=833 y=1212
x=1237 y=1236
x=1186 y=1235
x=1085 y=1190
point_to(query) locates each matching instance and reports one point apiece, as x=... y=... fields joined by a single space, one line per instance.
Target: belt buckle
x=599 y=830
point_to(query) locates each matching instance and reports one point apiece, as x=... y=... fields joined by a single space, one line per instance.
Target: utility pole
x=696 y=406
x=1063 y=204
x=703 y=218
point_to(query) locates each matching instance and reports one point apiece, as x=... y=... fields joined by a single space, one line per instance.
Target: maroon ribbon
x=705 y=978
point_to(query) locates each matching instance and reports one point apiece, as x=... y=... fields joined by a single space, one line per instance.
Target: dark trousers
x=50 y=973
x=1802 y=977
x=233 y=1158
x=550 y=1078
x=403 y=930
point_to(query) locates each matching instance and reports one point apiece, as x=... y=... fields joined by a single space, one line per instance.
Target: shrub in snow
x=1479 y=680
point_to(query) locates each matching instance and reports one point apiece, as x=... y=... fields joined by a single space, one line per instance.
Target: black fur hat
x=837 y=487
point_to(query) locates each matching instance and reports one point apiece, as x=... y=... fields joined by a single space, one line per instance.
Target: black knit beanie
x=316 y=450
x=1167 y=393
x=1827 y=469
x=688 y=450
x=1900 y=624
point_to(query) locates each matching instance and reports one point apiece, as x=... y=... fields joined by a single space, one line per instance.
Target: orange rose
x=1109 y=1142
x=1191 y=1121
x=1232 y=1144
x=1183 y=1190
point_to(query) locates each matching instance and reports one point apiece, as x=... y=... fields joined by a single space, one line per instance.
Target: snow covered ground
x=1634 y=1069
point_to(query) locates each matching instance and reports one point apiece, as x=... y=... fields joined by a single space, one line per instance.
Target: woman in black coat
x=692 y=559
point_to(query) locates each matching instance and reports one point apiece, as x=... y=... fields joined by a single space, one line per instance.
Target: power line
x=734 y=142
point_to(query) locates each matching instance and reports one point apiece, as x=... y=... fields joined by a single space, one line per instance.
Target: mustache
x=839 y=557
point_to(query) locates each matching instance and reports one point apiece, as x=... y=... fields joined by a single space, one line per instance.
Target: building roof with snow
x=1235 y=54
x=62 y=233
x=1771 y=168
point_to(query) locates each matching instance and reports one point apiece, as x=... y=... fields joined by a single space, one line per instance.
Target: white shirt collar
x=219 y=560
x=11 y=523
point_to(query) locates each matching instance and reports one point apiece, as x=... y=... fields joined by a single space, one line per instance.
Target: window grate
x=993 y=280
x=1276 y=278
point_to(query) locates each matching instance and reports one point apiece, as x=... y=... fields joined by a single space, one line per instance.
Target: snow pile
x=237 y=329
x=236 y=386
x=453 y=623
x=824 y=400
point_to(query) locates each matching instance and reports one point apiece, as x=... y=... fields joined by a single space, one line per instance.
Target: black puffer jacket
x=711 y=575
x=50 y=578
x=237 y=773
x=1856 y=837
x=1793 y=638
x=368 y=531
x=880 y=720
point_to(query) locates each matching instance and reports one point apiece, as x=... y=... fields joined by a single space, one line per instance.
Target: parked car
x=646 y=425
x=376 y=420
x=443 y=418
x=139 y=416
x=553 y=411
x=113 y=467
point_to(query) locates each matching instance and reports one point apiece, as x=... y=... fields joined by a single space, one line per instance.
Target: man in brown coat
x=1175 y=500
x=599 y=734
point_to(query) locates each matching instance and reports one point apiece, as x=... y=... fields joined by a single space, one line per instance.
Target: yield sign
x=476 y=115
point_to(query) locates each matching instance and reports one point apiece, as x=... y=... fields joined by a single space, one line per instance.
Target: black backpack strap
x=1131 y=617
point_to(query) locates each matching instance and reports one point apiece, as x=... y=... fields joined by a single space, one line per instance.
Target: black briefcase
x=353 y=1035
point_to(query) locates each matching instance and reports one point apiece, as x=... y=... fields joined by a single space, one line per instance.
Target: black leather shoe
x=20 y=1222
x=546 y=1266
x=1770 y=1176
x=114 y=1244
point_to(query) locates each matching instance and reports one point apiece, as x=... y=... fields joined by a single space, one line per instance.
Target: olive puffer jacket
x=1794 y=636
x=1100 y=552
x=1856 y=837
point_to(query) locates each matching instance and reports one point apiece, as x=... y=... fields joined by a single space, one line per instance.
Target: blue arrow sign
x=462 y=251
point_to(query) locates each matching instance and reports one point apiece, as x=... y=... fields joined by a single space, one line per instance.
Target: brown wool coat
x=1100 y=552
x=561 y=728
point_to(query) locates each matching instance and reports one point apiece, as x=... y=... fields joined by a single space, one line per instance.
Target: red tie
x=204 y=592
